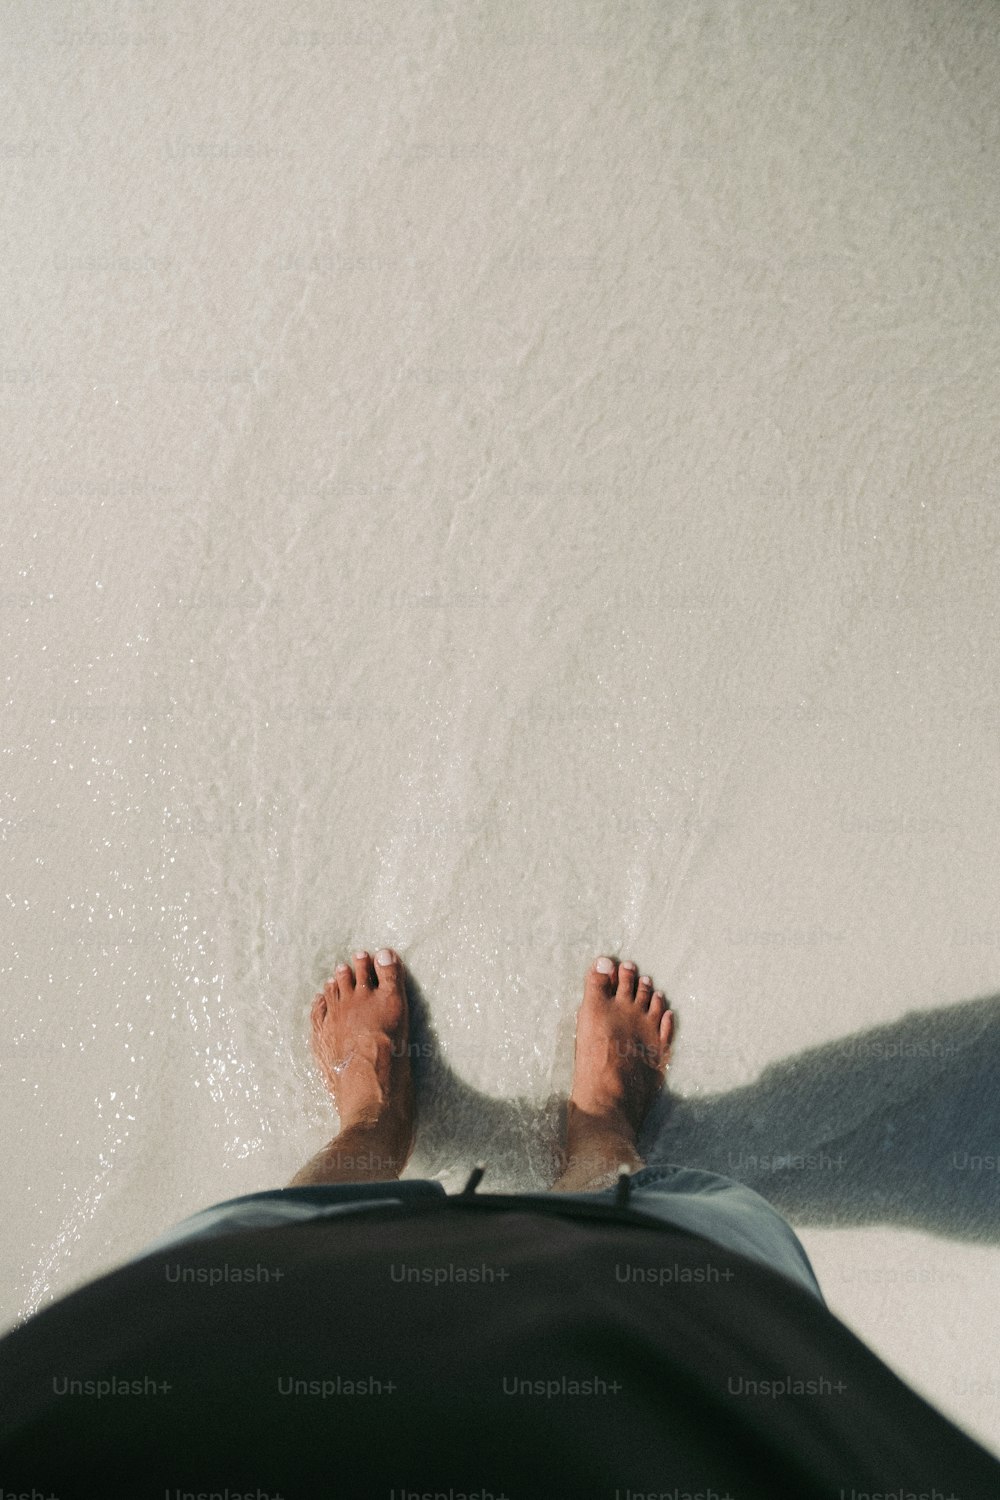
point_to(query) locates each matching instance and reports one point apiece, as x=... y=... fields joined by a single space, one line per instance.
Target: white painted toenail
x=384 y=957
x=360 y=956
x=628 y=964
x=604 y=966
x=343 y=968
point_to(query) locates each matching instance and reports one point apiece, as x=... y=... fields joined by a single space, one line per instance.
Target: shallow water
x=511 y=485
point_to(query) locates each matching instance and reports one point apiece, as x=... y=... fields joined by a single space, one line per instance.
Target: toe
x=363 y=966
x=599 y=984
x=389 y=968
x=644 y=994
x=343 y=979
x=318 y=1012
x=626 y=980
x=667 y=1020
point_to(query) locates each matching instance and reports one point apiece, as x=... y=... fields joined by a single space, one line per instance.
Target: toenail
x=628 y=964
x=604 y=966
x=383 y=957
x=361 y=955
x=343 y=968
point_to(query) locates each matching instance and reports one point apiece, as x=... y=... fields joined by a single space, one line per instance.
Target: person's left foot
x=360 y=1039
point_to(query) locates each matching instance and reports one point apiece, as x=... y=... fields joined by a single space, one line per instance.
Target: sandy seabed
x=512 y=482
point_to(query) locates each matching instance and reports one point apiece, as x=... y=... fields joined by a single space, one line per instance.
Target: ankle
x=390 y=1133
x=610 y=1126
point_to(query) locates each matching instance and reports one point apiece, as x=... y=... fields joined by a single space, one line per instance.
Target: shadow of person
x=898 y=1125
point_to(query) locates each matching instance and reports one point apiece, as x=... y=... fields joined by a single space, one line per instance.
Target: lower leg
x=598 y=1148
x=360 y=1153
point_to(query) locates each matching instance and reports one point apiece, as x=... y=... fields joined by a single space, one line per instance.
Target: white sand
x=513 y=482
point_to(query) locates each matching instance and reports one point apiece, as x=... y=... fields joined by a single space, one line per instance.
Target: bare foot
x=623 y=1035
x=360 y=1039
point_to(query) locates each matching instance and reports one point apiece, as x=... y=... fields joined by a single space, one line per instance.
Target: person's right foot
x=623 y=1035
